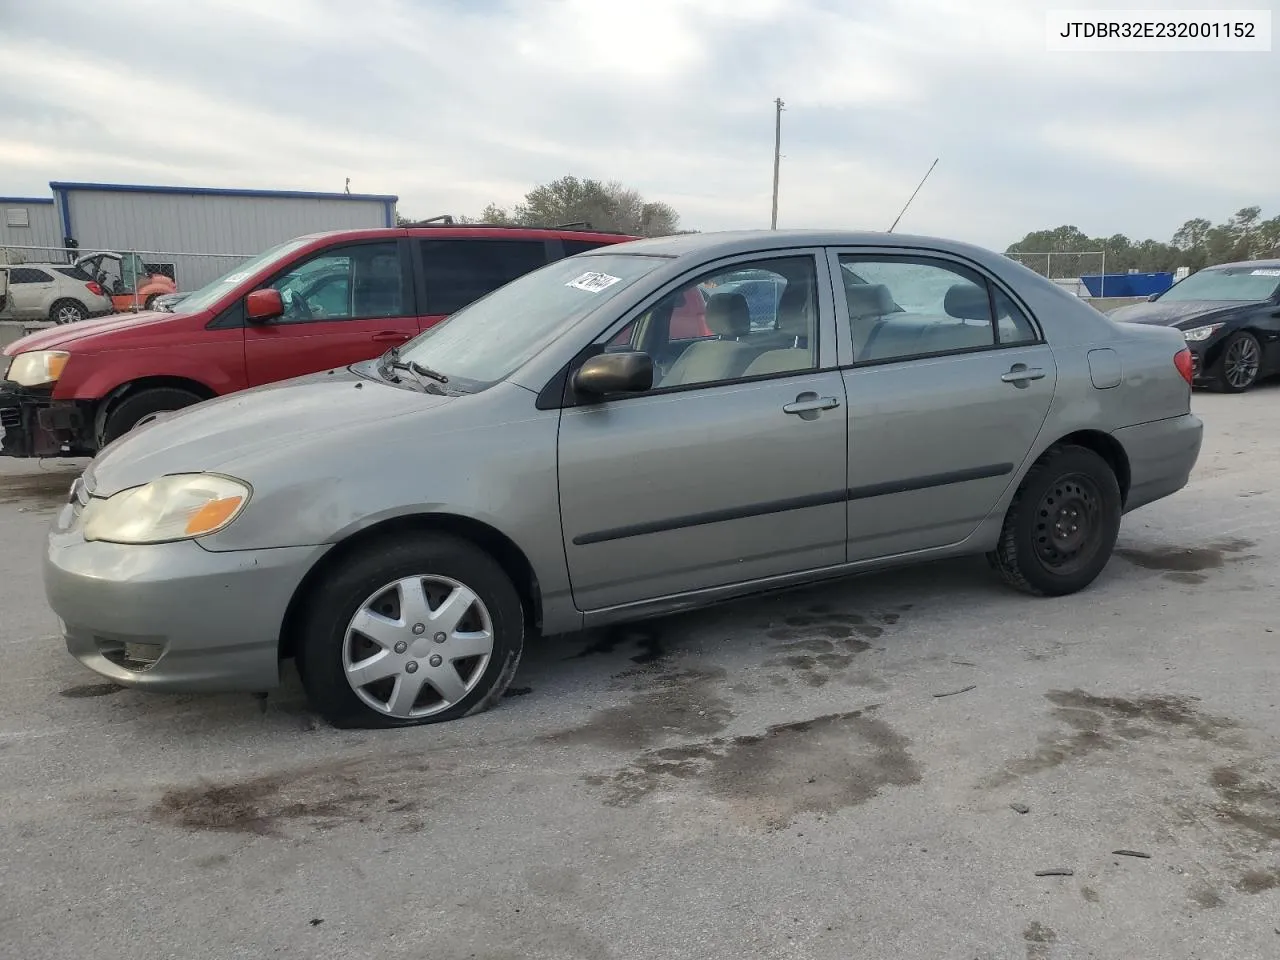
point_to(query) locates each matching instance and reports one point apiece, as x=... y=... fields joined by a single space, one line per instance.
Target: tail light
x=1182 y=360
x=93 y=287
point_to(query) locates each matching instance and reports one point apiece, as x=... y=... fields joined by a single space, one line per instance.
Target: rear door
x=31 y=292
x=950 y=384
x=456 y=271
x=344 y=304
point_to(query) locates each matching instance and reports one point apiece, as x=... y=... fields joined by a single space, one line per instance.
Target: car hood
x=1182 y=314
x=54 y=338
x=216 y=434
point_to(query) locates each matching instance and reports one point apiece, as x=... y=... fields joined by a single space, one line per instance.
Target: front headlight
x=179 y=507
x=1202 y=333
x=37 y=368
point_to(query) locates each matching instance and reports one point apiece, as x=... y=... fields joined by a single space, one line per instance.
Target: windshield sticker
x=235 y=278
x=593 y=282
x=1266 y=273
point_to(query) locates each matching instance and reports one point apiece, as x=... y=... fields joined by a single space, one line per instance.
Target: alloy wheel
x=1240 y=366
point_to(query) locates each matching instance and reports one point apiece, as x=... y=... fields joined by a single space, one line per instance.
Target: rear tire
x=68 y=311
x=417 y=669
x=1239 y=362
x=150 y=303
x=133 y=410
x=1062 y=525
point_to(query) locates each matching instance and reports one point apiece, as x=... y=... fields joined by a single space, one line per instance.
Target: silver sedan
x=619 y=435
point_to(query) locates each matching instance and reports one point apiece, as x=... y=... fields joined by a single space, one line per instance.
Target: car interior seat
x=728 y=317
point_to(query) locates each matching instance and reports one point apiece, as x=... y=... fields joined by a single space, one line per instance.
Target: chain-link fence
x=61 y=284
x=1066 y=268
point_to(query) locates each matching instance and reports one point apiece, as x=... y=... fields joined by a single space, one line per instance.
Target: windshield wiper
x=392 y=361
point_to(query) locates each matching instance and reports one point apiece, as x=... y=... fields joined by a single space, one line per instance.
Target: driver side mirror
x=263 y=305
x=614 y=373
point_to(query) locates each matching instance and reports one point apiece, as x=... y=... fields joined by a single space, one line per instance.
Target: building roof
x=58 y=185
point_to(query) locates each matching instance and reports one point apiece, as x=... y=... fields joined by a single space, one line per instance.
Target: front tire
x=1239 y=362
x=68 y=311
x=424 y=628
x=1062 y=525
x=143 y=405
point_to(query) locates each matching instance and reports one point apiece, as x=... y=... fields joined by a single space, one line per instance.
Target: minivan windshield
x=488 y=339
x=211 y=293
x=1238 y=283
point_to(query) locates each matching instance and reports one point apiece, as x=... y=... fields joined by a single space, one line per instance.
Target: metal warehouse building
x=29 y=222
x=196 y=234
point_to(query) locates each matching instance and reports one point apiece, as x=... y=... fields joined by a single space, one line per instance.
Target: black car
x=1230 y=317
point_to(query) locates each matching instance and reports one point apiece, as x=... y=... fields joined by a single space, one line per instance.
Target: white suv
x=51 y=291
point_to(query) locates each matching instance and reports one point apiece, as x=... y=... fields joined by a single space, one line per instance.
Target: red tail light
x=93 y=288
x=1182 y=360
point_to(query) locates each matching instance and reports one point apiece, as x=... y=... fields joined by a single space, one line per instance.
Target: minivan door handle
x=810 y=403
x=391 y=336
x=1020 y=373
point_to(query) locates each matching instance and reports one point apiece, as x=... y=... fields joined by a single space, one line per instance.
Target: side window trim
x=993 y=284
x=826 y=327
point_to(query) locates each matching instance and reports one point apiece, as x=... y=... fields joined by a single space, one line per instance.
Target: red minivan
x=319 y=301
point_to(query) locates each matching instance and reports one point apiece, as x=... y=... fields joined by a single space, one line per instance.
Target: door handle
x=1021 y=373
x=810 y=403
x=391 y=336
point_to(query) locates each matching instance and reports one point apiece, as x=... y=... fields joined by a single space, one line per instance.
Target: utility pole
x=777 y=158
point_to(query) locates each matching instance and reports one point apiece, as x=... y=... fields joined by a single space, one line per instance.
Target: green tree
x=605 y=206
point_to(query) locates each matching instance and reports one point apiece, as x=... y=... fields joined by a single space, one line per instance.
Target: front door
x=342 y=305
x=731 y=469
x=950 y=385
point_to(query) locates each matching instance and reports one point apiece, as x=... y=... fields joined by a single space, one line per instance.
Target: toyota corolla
x=559 y=455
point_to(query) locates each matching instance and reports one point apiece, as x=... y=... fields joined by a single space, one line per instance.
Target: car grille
x=11 y=417
x=1195 y=364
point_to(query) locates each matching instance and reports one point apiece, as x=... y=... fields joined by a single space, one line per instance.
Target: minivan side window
x=459 y=272
x=360 y=281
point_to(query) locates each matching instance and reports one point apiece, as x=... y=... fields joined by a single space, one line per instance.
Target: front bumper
x=34 y=425
x=174 y=616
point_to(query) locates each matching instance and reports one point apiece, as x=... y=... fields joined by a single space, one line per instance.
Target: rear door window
x=459 y=272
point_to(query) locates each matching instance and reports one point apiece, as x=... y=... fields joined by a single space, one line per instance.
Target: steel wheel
x=417 y=646
x=1067 y=525
x=1240 y=361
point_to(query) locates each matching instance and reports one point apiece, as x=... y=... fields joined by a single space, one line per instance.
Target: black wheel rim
x=1068 y=527
x=1241 y=362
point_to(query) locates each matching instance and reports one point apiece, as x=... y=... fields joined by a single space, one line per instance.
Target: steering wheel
x=297 y=307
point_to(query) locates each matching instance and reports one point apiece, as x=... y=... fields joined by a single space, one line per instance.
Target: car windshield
x=488 y=339
x=1237 y=283
x=211 y=293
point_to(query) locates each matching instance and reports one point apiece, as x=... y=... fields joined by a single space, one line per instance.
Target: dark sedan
x=1230 y=317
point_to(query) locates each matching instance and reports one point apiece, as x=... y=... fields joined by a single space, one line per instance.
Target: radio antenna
x=914 y=192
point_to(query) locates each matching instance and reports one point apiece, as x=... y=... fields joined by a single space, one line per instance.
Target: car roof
x=487 y=231
x=732 y=242
x=1266 y=264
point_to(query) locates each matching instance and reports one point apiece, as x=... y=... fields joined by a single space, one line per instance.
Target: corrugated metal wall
x=206 y=234
x=44 y=229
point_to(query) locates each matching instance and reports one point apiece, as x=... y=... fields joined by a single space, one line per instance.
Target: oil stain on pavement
x=809 y=766
x=1184 y=564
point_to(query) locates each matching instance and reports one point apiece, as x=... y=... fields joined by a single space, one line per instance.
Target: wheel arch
x=498 y=545
x=1107 y=447
x=129 y=388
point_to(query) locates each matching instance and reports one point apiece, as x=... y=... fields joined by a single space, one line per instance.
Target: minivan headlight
x=37 y=368
x=178 y=507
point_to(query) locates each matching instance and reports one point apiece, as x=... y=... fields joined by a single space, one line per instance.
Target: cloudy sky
x=451 y=104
